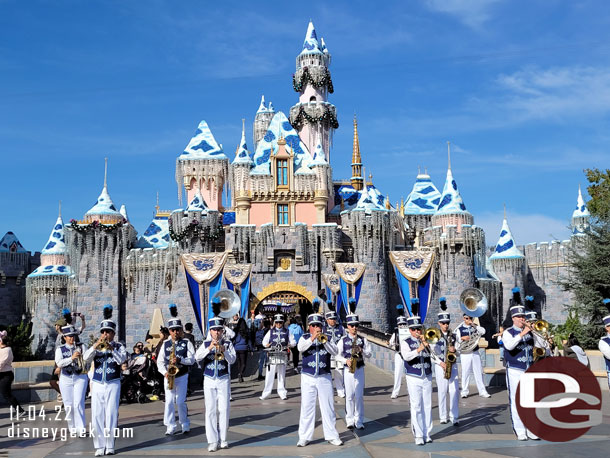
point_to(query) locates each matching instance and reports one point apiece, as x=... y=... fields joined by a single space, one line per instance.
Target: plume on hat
x=330 y=305
x=606 y=303
x=401 y=310
x=107 y=311
x=443 y=302
x=529 y=302
x=352 y=305
x=415 y=306
x=67 y=314
x=516 y=295
x=317 y=305
x=173 y=310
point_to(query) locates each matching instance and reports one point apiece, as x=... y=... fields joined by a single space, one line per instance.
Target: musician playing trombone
x=545 y=343
x=216 y=354
x=73 y=380
x=469 y=355
x=443 y=348
x=416 y=353
x=352 y=349
x=316 y=381
x=278 y=339
x=177 y=355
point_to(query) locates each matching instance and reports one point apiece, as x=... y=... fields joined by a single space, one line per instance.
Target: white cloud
x=526 y=228
x=473 y=13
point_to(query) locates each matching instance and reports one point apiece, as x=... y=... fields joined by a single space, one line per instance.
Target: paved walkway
x=269 y=428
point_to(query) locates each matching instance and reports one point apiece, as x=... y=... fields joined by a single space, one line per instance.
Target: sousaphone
x=230 y=304
x=473 y=302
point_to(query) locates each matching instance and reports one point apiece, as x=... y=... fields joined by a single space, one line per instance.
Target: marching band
x=420 y=354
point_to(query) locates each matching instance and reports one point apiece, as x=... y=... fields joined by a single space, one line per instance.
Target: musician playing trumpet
x=444 y=348
x=107 y=356
x=175 y=357
x=416 y=354
x=73 y=380
x=470 y=358
x=316 y=381
x=279 y=339
x=216 y=354
x=351 y=350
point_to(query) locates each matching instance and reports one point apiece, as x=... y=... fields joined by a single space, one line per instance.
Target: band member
x=418 y=367
x=335 y=332
x=216 y=354
x=518 y=352
x=316 y=382
x=539 y=340
x=278 y=339
x=228 y=333
x=351 y=350
x=175 y=358
x=400 y=333
x=444 y=347
x=73 y=380
x=470 y=359
x=604 y=342
x=107 y=356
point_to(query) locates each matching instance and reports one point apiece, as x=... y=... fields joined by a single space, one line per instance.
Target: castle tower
x=580 y=216
x=323 y=182
x=421 y=204
x=49 y=290
x=240 y=169
x=204 y=166
x=104 y=210
x=508 y=263
x=261 y=121
x=313 y=115
x=356 y=179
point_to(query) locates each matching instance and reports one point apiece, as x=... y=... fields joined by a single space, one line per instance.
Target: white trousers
x=354 y=397
x=73 y=389
x=176 y=398
x=443 y=386
x=320 y=387
x=471 y=363
x=338 y=377
x=420 y=398
x=270 y=377
x=105 y=398
x=512 y=381
x=217 y=393
x=399 y=372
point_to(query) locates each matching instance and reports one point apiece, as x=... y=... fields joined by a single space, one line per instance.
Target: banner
x=203 y=270
x=239 y=275
x=414 y=267
x=350 y=272
x=332 y=282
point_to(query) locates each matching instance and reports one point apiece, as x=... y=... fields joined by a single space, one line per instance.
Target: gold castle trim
x=280 y=286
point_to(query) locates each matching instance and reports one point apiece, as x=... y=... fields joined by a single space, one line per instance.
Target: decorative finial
x=425 y=170
x=60 y=208
x=418 y=170
x=105 y=171
x=243 y=123
x=157 y=206
x=504 y=210
x=449 y=154
x=370 y=177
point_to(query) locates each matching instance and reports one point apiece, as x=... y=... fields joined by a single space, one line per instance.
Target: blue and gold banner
x=350 y=273
x=238 y=275
x=413 y=271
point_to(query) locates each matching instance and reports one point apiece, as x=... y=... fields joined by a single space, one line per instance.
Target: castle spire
x=449 y=155
x=506 y=248
x=356 y=160
x=580 y=216
x=105 y=171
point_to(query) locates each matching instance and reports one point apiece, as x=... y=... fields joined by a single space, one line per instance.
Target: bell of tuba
x=473 y=302
x=230 y=304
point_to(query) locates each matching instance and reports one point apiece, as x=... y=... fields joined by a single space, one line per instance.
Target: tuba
x=172 y=370
x=230 y=304
x=473 y=302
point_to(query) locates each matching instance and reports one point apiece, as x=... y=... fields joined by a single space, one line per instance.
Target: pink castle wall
x=261 y=213
x=305 y=213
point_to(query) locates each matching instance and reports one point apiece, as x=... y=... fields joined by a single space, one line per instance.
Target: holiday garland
x=299 y=79
x=195 y=229
x=302 y=116
x=84 y=228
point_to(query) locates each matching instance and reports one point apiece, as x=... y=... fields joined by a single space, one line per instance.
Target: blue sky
x=520 y=88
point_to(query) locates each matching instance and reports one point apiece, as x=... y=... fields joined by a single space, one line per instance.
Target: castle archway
x=295 y=298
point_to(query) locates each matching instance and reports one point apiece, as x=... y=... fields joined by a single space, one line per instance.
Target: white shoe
x=444 y=422
x=109 y=451
x=186 y=430
x=336 y=442
x=532 y=436
x=464 y=396
x=485 y=395
x=262 y=398
x=359 y=426
x=99 y=452
x=302 y=443
x=522 y=437
x=419 y=441
x=170 y=432
x=394 y=396
x=212 y=447
x=428 y=440
x=341 y=394
x=283 y=398
x=224 y=444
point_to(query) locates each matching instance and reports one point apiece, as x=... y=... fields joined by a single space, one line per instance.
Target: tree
x=599 y=190
x=20 y=339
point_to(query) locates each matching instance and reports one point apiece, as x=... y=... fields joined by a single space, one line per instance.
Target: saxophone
x=172 y=370
x=450 y=357
x=355 y=356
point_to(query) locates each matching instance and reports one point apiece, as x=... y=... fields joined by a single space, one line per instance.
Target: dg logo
x=559 y=399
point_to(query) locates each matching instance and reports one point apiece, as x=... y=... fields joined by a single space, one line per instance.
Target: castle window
x=312 y=98
x=282 y=172
x=282 y=214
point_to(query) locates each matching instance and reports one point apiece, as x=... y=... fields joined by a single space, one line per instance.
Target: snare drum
x=277 y=357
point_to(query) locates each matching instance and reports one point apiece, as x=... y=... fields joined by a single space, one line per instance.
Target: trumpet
x=104 y=345
x=220 y=351
x=322 y=338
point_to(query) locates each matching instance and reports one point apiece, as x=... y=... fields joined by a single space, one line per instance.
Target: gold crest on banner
x=350 y=272
x=413 y=265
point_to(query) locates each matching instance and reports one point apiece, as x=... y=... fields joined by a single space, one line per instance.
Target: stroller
x=140 y=379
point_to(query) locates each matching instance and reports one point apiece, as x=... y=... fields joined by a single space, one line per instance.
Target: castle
x=289 y=221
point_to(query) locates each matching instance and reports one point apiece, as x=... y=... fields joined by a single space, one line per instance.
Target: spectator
x=138 y=349
x=164 y=336
x=572 y=349
x=188 y=333
x=242 y=345
x=260 y=335
x=296 y=331
x=6 y=373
